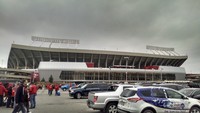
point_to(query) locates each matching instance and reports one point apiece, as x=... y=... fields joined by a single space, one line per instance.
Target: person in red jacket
x=3 y=91
x=9 y=95
x=13 y=96
x=50 y=89
x=32 y=93
x=47 y=86
x=56 y=89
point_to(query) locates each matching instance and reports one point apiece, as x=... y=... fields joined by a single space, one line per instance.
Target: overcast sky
x=123 y=25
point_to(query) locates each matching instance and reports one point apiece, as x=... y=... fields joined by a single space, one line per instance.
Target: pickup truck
x=107 y=101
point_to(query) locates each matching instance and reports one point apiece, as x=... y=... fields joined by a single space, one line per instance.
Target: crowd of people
x=52 y=87
x=18 y=96
x=21 y=96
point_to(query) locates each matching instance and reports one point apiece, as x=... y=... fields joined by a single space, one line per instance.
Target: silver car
x=156 y=100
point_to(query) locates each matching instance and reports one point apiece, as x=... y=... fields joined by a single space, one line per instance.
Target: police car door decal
x=157 y=97
x=176 y=101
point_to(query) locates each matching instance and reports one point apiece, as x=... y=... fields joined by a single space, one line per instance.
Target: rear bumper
x=125 y=110
x=95 y=106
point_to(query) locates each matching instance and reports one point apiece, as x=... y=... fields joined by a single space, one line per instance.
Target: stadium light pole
x=126 y=58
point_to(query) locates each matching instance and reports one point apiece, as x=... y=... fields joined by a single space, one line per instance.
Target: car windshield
x=80 y=85
x=128 y=93
x=83 y=86
x=113 y=88
x=186 y=92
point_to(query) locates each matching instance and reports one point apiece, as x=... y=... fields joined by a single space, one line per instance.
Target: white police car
x=156 y=100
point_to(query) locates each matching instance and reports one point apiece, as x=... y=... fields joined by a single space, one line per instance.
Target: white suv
x=156 y=100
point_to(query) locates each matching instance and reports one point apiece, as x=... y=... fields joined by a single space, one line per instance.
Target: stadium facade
x=97 y=65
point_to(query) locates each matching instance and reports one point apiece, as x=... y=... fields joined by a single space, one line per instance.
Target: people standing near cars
x=13 y=96
x=3 y=91
x=9 y=96
x=56 y=89
x=19 y=99
x=26 y=97
x=14 y=92
x=33 y=93
x=50 y=89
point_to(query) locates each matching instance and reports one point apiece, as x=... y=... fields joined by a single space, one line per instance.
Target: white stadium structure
x=66 y=64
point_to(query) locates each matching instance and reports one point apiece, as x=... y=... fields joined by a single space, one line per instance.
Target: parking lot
x=57 y=104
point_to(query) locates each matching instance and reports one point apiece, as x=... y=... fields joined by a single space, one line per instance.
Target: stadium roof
x=29 y=57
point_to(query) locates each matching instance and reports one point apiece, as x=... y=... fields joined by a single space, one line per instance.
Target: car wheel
x=64 y=89
x=195 y=110
x=78 y=95
x=148 y=111
x=111 y=108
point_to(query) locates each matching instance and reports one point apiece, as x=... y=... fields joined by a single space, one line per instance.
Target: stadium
x=89 y=65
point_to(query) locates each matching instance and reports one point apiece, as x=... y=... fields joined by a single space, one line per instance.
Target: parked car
x=67 y=86
x=85 y=89
x=107 y=101
x=156 y=100
x=191 y=92
x=77 y=86
x=193 y=85
x=169 y=85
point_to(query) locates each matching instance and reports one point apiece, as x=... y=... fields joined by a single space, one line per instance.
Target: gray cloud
x=128 y=25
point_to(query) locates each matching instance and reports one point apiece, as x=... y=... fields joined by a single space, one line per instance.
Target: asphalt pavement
x=56 y=104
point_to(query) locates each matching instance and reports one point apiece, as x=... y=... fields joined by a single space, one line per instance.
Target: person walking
x=13 y=97
x=14 y=92
x=9 y=95
x=3 y=91
x=19 y=99
x=32 y=93
x=56 y=89
x=26 y=98
x=50 y=89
